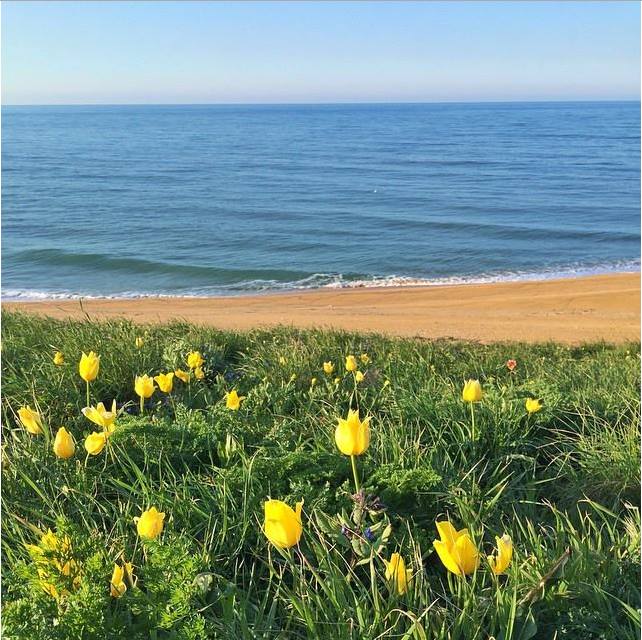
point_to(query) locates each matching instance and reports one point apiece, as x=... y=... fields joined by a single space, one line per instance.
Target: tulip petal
x=444 y=555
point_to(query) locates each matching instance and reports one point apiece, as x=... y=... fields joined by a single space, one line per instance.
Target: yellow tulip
x=365 y=358
x=165 y=381
x=328 y=368
x=313 y=382
x=63 y=445
x=472 y=391
x=150 y=523
x=359 y=376
x=352 y=435
x=144 y=386
x=233 y=400
x=58 y=358
x=500 y=562
x=100 y=416
x=117 y=586
x=283 y=526
x=195 y=360
x=95 y=442
x=351 y=363
x=88 y=366
x=182 y=375
x=199 y=374
x=139 y=342
x=30 y=419
x=533 y=405
x=397 y=574
x=456 y=549
x=337 y=380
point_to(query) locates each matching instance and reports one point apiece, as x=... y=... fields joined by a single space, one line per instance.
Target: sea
x=200 y=200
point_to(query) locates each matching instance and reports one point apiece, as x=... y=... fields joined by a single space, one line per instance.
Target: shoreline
x=568 y=310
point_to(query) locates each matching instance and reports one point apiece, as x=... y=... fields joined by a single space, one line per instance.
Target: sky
x=290 y=52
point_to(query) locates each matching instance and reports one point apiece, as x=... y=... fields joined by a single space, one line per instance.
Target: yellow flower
x=365 y=358
x=139 y=342
x=233 y=400
x=533 y=405
x=63 y=445
x=472 y=391
x=144 y=386
x=58 y=358
x=30 y=419
x=328 y=368
x=199 y=374
x=359 y=376
x=293 y=377
x=49 y=589
x=337 y=380
x=117 y=586
x=500 y=562
x=351 y=363
x=283 y=526
x=182 y=375
x=165 y=381
x=195 y=360
x=313 y=382
x=95 y=442
x=352 y=435
x=456 y=549
x=100 y=416
x=150 y=523
x=88 y=366
x=397 y=573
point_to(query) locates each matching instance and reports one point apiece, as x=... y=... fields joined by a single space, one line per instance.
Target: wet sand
x=571 y=311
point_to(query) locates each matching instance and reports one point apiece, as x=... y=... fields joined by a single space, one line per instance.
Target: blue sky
x=211 y=52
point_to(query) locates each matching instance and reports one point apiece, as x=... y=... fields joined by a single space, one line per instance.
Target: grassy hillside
x=563 y=483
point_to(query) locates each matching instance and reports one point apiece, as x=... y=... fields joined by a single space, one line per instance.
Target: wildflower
x=293 y=377
x=511 y=364
x=139 y=342
x=233 y=400
x=337 y=381
x=351 y=363
x=117 y=586
x=95 y=442
x=165 y=381
x=182 y=375
x=313 y=382
x=144 y=386
x=397 y=574
x=63 y=445
x=88 y=366
x=500 y=562
x=472 y=391
x=533 y=405
x=456 y=549
x=195 y=360
x=386 y=383
x=282 y=525
x=352 y=435
x=100 y=416
x=199 y=374
x=30 y=419
x=150 y=523
x=365 y=358
x=58 y=358
x=359 y=376
x=369 y=535
x=328 y=368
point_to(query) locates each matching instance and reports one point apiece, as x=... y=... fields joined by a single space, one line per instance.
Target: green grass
x=564 y=483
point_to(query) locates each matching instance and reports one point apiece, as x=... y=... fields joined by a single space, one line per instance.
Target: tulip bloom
x=533 y=405
x=365 y=358
x=456 y=549
x=233 y=400
x=500 y=562
x=117 y=586
x=511 y=364
x=282 y=525
x=182 y=375
x=88 y=368
x=150 y=523
x=472 y=391
x=199 y=374
x=30 y=419
x=100 y=416
x=359 y=376
x=313 y=382
x=144 y=387
x=165 y=381
x=58 y=358
x=328 y=368
x=351 y=363
x=195 y=360
x=95 y=442
x=397 y=574
x=139 y=342
x=352 y=435
x=63 y=445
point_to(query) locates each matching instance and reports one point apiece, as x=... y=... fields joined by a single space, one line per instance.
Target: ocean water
x=209 y=200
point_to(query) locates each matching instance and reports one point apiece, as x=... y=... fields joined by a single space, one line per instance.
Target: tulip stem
x=87 y=383
x=142 y=405
x=353 y=460
x=472 y=417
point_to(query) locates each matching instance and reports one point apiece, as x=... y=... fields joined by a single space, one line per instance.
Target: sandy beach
x=572 y=311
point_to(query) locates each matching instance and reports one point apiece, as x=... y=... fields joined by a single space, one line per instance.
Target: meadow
x=256 y=421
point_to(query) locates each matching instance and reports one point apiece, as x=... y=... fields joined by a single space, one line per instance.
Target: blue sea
x=211 y=200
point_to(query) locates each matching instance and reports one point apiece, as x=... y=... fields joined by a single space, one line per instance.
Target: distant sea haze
x=211 y=200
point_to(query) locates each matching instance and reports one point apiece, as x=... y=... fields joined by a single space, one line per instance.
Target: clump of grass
x=564 y=483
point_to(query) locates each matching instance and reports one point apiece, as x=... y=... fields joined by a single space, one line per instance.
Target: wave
x=336 y=281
